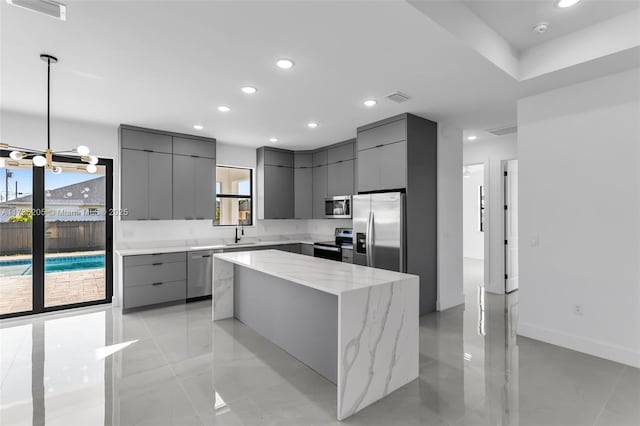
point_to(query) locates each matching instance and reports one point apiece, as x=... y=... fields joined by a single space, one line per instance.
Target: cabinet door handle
x=158 y=283
x=156 y=264
x=195 y=156
x=380 y=146
x=206 y=255
x=148 y=150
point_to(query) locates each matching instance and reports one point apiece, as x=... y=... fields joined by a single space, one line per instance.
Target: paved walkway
x=61 y=288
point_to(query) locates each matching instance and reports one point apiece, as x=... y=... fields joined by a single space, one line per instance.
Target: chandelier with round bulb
x=45 y=158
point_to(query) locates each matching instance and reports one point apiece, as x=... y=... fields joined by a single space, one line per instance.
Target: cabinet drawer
x=278 y=158
x=194 y=147
x=341 y=153
x=320 y=158
x=382 y=135
x=143 y=295
x=156 y=272
x=146 y=141
x=148 y=259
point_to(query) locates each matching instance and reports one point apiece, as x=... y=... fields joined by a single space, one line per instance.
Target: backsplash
x=171 y=230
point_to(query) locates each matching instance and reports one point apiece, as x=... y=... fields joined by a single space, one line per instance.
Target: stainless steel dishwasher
x=200 y=273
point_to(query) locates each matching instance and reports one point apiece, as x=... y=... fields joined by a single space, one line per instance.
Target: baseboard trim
x=593 y=347
x=444 y=307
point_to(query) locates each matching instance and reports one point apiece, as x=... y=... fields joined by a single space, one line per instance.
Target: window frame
x=232 y=196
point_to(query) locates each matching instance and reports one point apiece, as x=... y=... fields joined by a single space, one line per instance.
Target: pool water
x=52 y=264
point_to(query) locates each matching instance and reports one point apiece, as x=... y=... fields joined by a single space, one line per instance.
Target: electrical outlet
x=578 y=310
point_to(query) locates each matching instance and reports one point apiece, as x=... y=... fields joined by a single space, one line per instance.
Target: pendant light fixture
x=45 y=158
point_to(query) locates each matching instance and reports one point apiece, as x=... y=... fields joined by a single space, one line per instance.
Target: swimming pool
x=52 y=264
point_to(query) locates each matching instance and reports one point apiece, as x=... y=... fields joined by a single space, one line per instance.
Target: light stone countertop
x=321 y=274
x=150 y=247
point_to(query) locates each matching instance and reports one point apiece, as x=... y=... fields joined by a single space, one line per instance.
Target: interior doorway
x=474 y=221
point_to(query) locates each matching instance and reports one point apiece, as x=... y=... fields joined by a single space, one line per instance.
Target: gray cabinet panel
x=303 y=195
x=368 y=170
x=278 y=158
x=393 y=165
x=341 y=153
x=306 y=249
x=152 y=294
x=382 y=135
x=320 y=158
x=200 y=271
x=149 y=259
x=302 y=160
x=184 y=182
x=194 y=147
x=340 y=178
x=278 y=192
x=319 y=191
x=205 y=177
x=291 y=248
x=160 y=186
x=146 y=141
x=135 y=184
x=156 y=272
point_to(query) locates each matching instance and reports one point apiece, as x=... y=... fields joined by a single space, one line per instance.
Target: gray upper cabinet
x=192 y=187
x=146 y=141
x=343 y=152
x=320 y=158
x=194 y=147
x=320 y=175
x=303 y=186
x=166 y=176
x=275 y=183
x=340 y=178
x=384 y=134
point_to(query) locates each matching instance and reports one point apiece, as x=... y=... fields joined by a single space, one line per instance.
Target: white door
x=511 y=225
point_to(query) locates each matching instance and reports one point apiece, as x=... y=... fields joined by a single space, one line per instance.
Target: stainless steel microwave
x=338 y=207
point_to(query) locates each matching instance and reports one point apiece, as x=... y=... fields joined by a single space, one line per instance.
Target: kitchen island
x=356 y=326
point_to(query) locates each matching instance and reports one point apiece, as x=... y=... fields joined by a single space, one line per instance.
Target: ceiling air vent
x=501 y=131
x=397 y=97
x=46 y=7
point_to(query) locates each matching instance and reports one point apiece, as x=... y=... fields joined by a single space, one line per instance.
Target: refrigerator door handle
x=367 y=241
x=403 y=235
x=371 y=236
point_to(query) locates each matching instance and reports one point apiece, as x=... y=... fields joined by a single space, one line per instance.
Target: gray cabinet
x=152 y=279
x=166 y=176
x=193 y=190
x=146 y=185
x=320 y=158
x=340 y=177
x=275 y=183
x=342 y=152
x=306 y=249
x=393 y=130
x=320 y=176
x=303 y=196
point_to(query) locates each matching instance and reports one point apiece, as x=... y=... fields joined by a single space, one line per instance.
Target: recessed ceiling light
x=198 y=126
x=472 y=138
x=224 y=108
x=370 y=102
x=541 y=27
x=285 y=64
x=249 y=90
x=567 y=3
x=312 y=124
x=273 y=140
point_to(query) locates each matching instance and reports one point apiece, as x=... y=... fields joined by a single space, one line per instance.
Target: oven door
x=338 y=207
x=327 y=252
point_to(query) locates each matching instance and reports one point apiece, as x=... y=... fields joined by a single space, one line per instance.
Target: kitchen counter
x=356 y=326
x=152 y=247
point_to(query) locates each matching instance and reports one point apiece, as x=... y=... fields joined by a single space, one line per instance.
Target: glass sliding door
x=16 y=228
x=55 y=236
x=75 y=235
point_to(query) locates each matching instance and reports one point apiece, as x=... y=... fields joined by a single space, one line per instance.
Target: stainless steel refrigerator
x=379 y=230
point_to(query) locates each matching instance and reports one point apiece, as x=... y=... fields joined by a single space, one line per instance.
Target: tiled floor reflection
x=173 y=366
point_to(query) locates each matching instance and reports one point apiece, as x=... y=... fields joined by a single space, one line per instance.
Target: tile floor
x=173 y=366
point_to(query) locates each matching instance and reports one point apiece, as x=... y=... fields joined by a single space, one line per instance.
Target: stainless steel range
x=334 y=249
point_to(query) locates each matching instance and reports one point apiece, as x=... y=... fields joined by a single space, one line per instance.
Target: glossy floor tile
x=173 y=366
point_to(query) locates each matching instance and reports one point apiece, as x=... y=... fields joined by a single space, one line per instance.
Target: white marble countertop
x=321 y=274
x=151 y=247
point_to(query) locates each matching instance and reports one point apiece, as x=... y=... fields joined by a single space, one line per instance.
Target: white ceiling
x=514 y=19
x=168 y=65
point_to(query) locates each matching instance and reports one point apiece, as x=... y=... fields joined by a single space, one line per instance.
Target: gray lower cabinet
x=291 y=248
x=146 y=192
x=200 y=273
x=320 y=177
x=192 y=187
x=278 y=192
x=306 y=249
x=303 y=196
x=347 y=255
x=340 y=178
x=155 y=278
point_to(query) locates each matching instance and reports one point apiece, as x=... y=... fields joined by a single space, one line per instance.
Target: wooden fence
x=61 y=237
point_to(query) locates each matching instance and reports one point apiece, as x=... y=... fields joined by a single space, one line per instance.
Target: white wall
x=579 y=151
x=492 y=153
x=450 y=289
x=472 y=238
